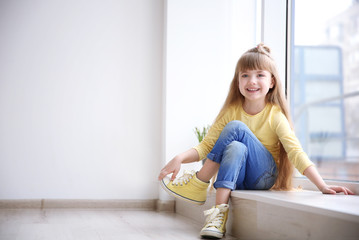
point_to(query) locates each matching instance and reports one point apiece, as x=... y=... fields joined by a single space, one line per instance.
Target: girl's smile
x=253 y=90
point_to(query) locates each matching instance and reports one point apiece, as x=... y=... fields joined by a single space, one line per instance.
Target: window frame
x=268 y=11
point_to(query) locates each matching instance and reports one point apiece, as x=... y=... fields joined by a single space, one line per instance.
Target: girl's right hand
x=331 y=189
x=173 y=167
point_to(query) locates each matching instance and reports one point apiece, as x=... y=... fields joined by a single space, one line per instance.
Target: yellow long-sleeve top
x=270 y=126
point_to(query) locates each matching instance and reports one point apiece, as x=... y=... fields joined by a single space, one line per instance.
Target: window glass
x=324 y=88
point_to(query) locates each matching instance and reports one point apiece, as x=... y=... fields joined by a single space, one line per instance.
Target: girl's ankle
x=200 y=178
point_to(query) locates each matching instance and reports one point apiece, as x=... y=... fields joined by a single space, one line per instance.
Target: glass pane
x=332 y=89
x=324 y=90
x=328 y=59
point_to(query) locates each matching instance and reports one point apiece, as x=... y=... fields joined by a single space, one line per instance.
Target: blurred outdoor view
x=324 y=85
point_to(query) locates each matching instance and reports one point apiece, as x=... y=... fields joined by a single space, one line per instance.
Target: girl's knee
x=234 y=125
x=233 y=128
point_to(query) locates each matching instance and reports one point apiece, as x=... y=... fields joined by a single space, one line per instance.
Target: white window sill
x=341 y=206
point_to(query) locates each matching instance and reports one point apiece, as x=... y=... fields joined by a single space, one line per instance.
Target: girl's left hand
x=332 y=189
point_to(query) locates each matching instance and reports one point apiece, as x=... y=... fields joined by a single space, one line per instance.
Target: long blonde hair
x=254 y=59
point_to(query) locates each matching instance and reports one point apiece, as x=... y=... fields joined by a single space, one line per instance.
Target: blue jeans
x=245 y=163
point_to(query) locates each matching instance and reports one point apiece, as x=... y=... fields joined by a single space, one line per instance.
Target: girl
x=251 y=144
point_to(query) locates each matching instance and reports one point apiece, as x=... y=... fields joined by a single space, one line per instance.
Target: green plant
x=200 y=134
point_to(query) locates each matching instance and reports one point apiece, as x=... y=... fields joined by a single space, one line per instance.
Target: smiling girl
x=251 y=145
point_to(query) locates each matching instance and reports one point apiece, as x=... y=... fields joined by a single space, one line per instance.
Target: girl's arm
x=312 y=174
x=174 y=165
x=201 y=150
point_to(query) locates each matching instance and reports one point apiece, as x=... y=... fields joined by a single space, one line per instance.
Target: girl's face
x=255 y=84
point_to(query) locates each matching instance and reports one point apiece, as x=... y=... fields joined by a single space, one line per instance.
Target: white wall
x=80 y=98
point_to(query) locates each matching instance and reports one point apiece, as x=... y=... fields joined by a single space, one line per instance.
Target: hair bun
x=263 y=48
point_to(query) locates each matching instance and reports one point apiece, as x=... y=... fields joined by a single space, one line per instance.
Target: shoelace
x=215 y=216
x=185 y=178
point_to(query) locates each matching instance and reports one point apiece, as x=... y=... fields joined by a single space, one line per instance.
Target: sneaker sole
x=164 y=186
x=211 y=235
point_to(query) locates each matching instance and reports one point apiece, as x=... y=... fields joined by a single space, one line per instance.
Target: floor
x=102 y=224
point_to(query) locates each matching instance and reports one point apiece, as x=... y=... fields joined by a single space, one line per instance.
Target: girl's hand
x=173 y=167
x=332 y=189
x=313 y=175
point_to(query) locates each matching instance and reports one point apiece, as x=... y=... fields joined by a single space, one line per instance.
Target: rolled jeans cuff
x=224 y=184
x=214 y=157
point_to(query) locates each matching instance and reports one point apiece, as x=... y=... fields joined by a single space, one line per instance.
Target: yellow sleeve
x=291 y=144
x=213 y=134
